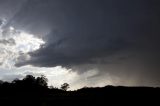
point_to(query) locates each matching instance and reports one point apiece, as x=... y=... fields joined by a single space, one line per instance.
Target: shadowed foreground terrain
x=32 y=91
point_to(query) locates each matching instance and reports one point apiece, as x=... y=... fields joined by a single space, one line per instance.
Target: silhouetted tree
x=28 y=82
x=16 y=81
x=29 y=79
x=42 y=81
x=65 y=86
x=1 y=82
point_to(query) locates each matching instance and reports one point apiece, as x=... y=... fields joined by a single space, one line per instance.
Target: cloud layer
x=82 y=31
x=118 y=38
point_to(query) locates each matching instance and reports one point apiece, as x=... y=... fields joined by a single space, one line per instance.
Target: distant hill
x=32 y=91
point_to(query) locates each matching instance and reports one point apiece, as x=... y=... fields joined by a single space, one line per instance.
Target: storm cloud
x=116 y=37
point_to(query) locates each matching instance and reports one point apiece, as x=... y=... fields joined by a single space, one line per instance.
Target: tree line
x=29 y=82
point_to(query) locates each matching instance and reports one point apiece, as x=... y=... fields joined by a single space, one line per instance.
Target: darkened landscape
x=34 y=91
x=79 y=52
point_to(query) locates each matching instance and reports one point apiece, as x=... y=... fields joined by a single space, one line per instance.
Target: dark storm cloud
x=120 y=34
x=83 y=30
x=8 y=8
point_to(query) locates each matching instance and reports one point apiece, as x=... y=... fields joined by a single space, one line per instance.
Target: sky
x=81 y=42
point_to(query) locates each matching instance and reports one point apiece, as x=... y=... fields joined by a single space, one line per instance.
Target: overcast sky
x=81 y=42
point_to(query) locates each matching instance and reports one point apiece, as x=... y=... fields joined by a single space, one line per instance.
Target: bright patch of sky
x=16 y=43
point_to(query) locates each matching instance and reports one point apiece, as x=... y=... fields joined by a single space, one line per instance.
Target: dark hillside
x=34 y=91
